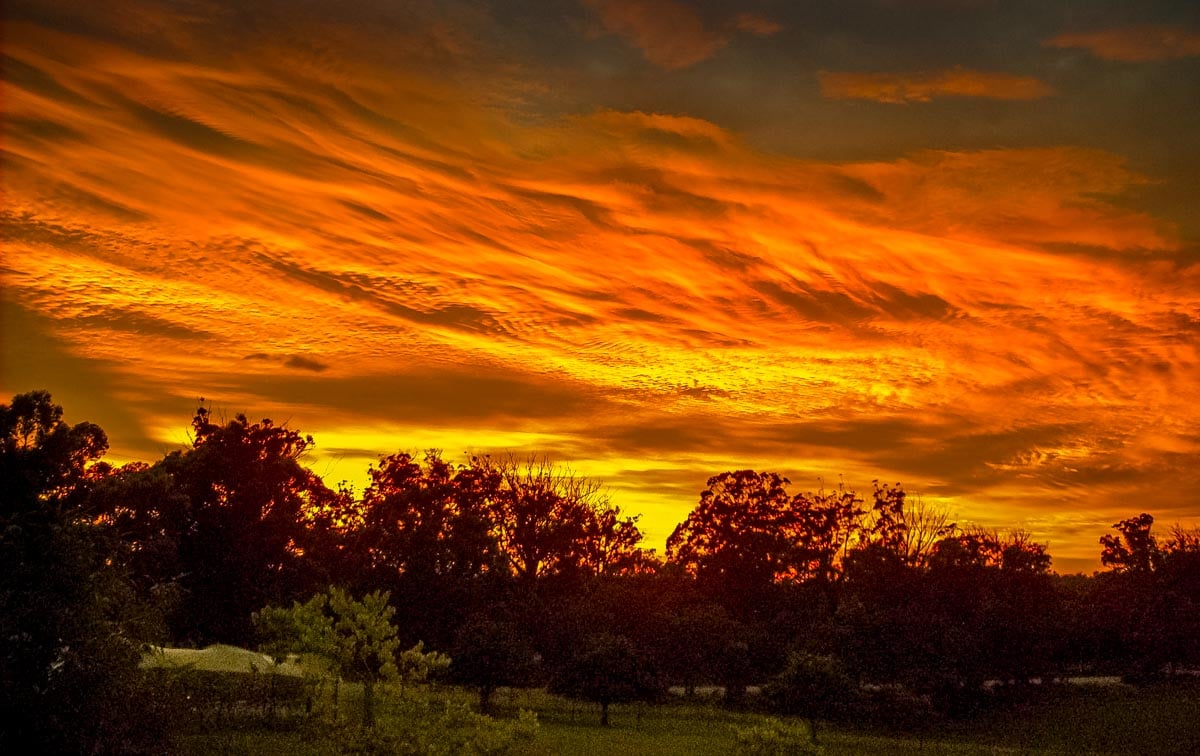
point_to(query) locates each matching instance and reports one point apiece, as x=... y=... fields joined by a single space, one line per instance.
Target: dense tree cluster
x=527 y=574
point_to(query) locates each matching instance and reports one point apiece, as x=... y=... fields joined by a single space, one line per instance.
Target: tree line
x=526 y=574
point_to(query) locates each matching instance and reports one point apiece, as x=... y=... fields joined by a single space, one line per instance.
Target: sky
x=952 y=244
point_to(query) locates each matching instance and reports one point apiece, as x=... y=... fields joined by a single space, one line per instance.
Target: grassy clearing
x=1115 y=720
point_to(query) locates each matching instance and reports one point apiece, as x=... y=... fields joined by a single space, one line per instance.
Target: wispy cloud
x=671 y=34
x=754 y=23
x=408 y=263
x=924 y=86
x=1133 y=44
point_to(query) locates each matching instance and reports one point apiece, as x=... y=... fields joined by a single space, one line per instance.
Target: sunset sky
x=948 y=243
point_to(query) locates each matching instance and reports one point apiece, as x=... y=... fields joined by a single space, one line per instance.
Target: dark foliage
x=608 y=669
x=72 y=630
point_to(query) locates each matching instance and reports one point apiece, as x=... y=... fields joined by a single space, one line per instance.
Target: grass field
x=1115 y=720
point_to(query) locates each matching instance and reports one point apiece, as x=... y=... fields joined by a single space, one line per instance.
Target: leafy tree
x=357 y=637
x=1151 y=596
x=889 y=524
x=694 y=645
x=71 y=628
x=550 y=522
x=427 y=537
x=814 y=687
x=1179 y=589
x=426 y=520
x=42 y=459
x=225 y=525
x=742 y=536
x=607 y=670
x=1135 y=549
x=830 y=523
x=491 y=653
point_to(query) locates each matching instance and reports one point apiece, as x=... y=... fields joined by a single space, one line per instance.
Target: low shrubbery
x=773 y=737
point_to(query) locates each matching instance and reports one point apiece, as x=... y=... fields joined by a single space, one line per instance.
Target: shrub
x=774 y=738
x=419 y=726
x=814 y=687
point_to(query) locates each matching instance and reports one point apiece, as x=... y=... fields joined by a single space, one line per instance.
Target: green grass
x=1114 y=720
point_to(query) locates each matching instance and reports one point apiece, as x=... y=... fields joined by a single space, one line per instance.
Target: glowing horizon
x=480 y=227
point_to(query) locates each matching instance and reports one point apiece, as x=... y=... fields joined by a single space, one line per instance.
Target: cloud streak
x=671 y=34
x=1133 y=44
x=926 y=86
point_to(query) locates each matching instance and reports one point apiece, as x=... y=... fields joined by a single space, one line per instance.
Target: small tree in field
x=356 y=637
x=812 y=686
x=489 y=654
x=608 y=670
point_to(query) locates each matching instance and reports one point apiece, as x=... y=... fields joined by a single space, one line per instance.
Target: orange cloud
x=925 y=86
x=753 y=23
x=1133 y=44
x=1031 y=197
x=391 y=259
x=669 y=34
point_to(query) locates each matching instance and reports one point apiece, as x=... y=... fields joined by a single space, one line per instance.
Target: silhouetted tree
x=814 y=687
x=71 y=629
x=427 y=537
x=1152 y=596
x=551 y=522
x=607 y=670
x=743 y=536
x=830 y=525
x=427 y=520
x=228 y=523
x=1135 y=549
x=492 y=653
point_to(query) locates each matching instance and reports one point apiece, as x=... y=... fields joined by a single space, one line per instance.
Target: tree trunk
x=337 y=708
x=485 y=699
x=812 y=729
x=368 y=704
x=604 y=713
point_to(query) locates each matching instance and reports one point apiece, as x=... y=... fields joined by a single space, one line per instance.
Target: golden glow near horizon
x=402 y=229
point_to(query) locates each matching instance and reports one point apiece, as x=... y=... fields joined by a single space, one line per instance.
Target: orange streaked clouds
x=1134 y=44
x=391 y=225
x=924 y=86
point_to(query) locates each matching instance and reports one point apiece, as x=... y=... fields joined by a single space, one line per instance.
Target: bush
x=814 y=687
x=774 y=738
x=895 y=709
x=419 y=726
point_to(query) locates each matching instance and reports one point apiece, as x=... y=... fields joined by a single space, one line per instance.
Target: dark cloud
x=305 y=363
x=33 y=79
x=439 y=397
x=363 y=289
x=42 y=129
x=191 y=133
x=366 y=212
x=134 y=321
x=297 y=361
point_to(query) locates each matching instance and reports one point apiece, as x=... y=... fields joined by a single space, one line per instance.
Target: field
x=1114 y=720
